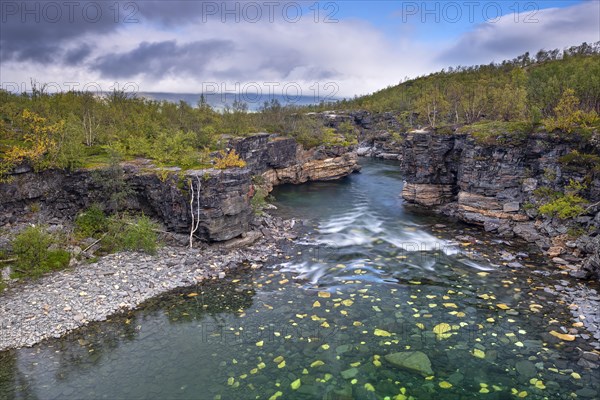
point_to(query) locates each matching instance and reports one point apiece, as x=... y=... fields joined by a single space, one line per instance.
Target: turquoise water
x=368 y=277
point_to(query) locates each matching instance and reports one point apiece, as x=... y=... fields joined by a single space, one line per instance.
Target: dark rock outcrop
x=378 y=133
x=225 y=210
x=224 y=200
x=265 y=151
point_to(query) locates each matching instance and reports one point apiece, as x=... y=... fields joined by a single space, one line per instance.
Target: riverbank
x=368 y=278
x=60 y=302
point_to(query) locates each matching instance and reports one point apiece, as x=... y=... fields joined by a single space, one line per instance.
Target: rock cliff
x=501 y=184
x=496 y=181
x=55 y=195
x=378 y=133
x=222 y=197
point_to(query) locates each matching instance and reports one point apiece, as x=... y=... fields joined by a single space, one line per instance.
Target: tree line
x=81 y=129
x=529 y=87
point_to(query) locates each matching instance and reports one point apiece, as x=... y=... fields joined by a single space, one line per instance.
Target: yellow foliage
x=229 y=160
x=38 y=141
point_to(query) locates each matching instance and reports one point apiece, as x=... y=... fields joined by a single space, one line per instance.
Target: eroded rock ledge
x=283 y=160
x=224 y=195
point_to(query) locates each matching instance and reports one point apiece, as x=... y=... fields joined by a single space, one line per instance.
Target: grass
x=130 y=233
x=499 y=132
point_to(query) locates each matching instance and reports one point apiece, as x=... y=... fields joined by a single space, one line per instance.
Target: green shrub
x=528 y=206
x=546 y=193
x=567 y=206
x=91 y=222
x=308 y=130
x=259 y=201
x=135 y=234
x=568 y=117
x=444 y=130
x=574 y=233
x=575 y=160
x=175 y=148
x=34 y=256
x=140 y=235
x=331 y=138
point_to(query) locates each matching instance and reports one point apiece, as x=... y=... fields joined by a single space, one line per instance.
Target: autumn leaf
x=381 y=332
x=563 y=336
x=441 y=330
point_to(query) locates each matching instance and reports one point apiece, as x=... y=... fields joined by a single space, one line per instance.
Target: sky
x=323 y=49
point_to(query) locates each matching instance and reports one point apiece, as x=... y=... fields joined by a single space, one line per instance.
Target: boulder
x=414 y=361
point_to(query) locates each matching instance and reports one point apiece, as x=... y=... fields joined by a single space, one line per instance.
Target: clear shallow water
x=369 y=277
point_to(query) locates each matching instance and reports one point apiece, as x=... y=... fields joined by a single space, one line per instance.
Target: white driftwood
x=195 y=218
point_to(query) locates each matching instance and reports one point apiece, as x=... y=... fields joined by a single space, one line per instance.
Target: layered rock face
x=430 y=163
x=428 y=194
x=282 y=160
x=264 y=151
x=225 y=210
x=494 y=185
x=221 y=205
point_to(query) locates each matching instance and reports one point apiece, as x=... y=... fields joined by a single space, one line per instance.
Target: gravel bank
x=60 y=302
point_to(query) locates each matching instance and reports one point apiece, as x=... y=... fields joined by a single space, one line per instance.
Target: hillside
x=554 y=90
x=526 y=88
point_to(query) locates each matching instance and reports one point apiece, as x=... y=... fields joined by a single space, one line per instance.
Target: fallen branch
x=9 y=260
x=590 y=207
x=91 y=245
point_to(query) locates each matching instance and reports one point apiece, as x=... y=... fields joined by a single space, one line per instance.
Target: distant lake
x=219 y=100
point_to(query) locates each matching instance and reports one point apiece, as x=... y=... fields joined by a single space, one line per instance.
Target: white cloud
x=513 y=35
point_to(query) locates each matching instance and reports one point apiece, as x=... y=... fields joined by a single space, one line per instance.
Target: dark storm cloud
x=163 y=58
x=177 y=12
x=42 y=31
x=44 y=53
x=77 y=55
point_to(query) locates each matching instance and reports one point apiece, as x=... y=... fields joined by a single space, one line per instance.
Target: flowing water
x=368 y=277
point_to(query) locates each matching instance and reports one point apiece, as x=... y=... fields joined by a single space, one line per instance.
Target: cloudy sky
x=341 y=48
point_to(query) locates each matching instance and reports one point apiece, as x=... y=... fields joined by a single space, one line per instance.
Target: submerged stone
x=415 y=361
x=342 y=348
x=349 y=373
x=526 y=369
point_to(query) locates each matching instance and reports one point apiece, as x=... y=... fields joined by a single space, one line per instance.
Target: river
x=369 y=277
